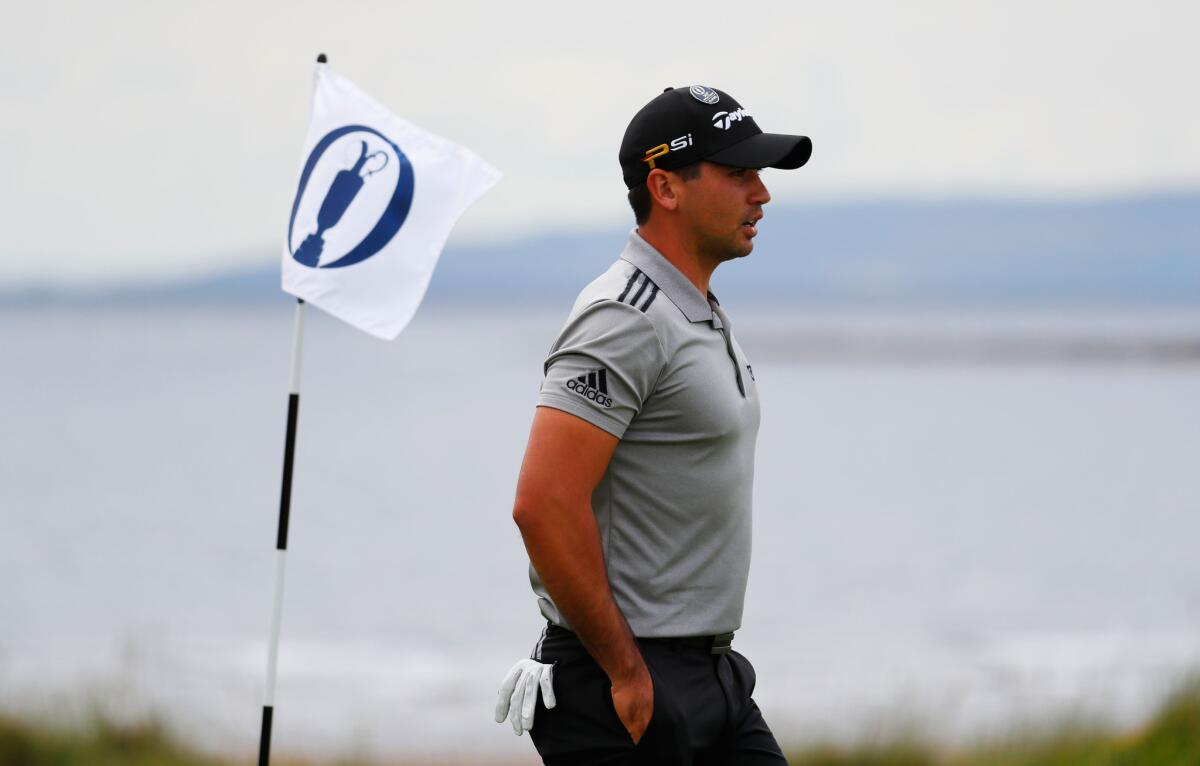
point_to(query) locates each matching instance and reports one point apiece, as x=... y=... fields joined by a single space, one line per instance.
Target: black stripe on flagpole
x=289 y=453
x=264 y=739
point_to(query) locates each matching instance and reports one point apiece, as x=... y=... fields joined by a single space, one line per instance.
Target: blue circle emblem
x=365 y=158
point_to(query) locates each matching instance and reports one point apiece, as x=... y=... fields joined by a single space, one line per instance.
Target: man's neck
x=697 y=270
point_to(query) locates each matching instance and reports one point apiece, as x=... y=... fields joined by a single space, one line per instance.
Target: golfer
x=634 y=498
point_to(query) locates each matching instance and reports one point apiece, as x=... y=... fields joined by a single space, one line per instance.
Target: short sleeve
x=603 y=366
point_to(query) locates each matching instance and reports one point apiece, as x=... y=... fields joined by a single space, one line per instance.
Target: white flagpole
x=285 y=501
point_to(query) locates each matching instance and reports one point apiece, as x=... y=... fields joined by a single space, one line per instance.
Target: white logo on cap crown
x=704 y=95
x=724 y=120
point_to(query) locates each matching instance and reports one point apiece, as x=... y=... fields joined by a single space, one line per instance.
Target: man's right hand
x=634 y=703
x=564 y=462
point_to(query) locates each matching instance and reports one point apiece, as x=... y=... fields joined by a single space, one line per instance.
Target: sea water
x=942 y=539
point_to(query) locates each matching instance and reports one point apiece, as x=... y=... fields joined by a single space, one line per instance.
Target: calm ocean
x=945 y=536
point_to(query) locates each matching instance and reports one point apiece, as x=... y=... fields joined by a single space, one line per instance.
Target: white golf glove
x=517 y=698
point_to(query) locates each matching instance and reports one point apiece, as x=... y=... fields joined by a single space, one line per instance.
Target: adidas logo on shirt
x=592 y=385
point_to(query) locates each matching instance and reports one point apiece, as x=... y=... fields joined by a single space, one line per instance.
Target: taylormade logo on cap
x=723 y=120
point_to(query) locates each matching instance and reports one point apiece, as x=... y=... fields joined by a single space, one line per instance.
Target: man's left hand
x=517 y=698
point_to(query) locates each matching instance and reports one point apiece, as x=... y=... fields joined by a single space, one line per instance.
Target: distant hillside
x=1128 y=251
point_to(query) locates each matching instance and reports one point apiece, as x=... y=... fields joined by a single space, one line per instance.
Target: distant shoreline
x=1130 y=250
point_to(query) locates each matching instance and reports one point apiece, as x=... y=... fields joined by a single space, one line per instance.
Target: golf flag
x=376 y=199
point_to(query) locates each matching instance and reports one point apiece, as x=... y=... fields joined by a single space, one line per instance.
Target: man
x=634 y=498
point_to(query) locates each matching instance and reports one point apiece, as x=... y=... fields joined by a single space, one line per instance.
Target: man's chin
x=734 y=255
x=743 y=248
x=730 y=250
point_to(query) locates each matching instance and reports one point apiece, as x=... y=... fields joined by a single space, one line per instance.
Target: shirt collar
x=669 y=279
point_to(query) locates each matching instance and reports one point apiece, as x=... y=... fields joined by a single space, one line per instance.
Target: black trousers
x=703 y=712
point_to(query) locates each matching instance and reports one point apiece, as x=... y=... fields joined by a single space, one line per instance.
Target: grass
x=101 y=742
x=1170 y=738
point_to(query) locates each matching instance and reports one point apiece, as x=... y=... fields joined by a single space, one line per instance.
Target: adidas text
x=592 y=386
x=587 y=392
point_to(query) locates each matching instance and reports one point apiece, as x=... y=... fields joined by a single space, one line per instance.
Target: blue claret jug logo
x=355 y=192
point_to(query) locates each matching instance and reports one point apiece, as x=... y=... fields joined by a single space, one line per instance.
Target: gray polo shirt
x=649 y=359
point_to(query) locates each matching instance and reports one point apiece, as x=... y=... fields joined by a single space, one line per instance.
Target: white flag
x=375 y=202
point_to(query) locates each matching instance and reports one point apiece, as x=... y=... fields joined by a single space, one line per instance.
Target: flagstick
x=285 y=501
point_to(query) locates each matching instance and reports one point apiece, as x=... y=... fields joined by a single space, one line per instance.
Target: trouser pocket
x=665 y=742
x=583 y=729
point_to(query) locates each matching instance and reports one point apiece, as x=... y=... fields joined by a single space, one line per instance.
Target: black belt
x=718 y=644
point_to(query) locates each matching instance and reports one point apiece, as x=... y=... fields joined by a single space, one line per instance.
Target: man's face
x=721 y=208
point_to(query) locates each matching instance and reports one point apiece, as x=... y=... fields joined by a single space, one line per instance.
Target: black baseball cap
x=685 y=125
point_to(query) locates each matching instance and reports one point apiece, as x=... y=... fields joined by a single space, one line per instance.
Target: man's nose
x=759 y=194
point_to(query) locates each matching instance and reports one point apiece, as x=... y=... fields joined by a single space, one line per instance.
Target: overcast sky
x=152 y=139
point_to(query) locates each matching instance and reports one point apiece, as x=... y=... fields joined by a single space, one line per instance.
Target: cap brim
x=766 y=150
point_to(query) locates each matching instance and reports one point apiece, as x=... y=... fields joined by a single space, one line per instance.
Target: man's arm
x=564 y=461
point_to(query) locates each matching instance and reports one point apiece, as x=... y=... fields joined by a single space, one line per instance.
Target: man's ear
x=663 y=187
